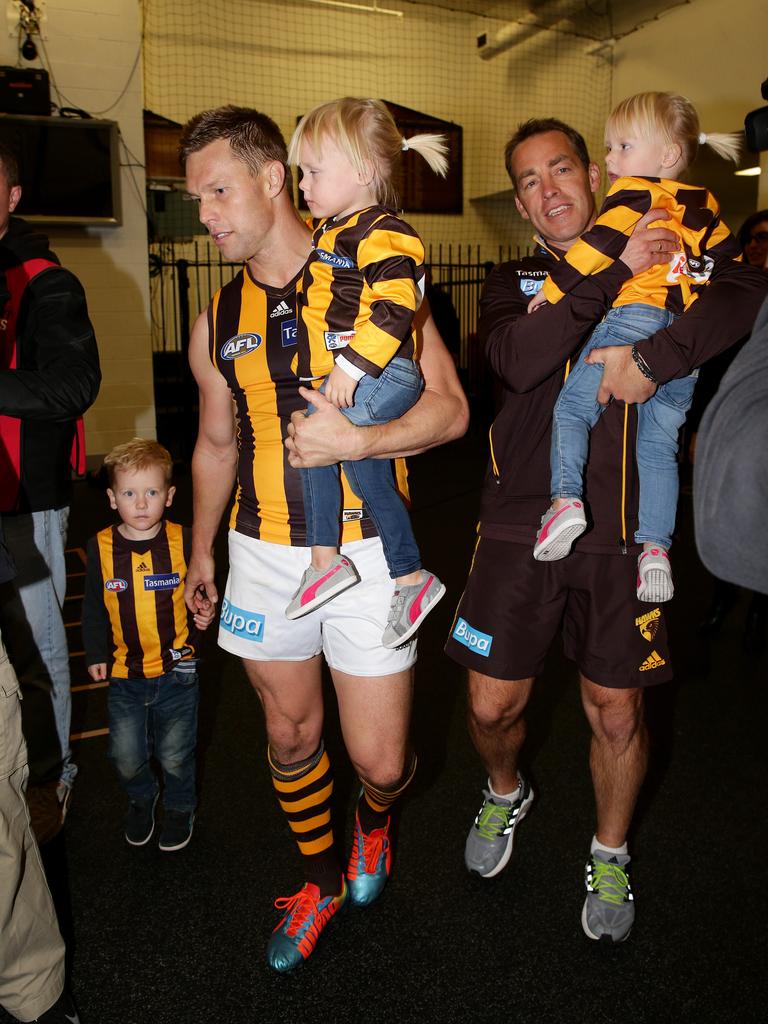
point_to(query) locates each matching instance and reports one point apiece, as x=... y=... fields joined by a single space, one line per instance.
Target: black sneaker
x=63 y=1011
x=140 y=821
x=177 y=830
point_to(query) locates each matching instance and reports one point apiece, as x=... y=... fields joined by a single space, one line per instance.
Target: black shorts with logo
x=513 y=606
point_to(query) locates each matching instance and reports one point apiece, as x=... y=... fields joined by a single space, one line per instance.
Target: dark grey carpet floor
x=156 y=939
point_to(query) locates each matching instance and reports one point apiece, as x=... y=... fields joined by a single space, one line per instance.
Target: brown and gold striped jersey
x=694 y=218
x=252 y=343
x=134 y=616
x=360 y=290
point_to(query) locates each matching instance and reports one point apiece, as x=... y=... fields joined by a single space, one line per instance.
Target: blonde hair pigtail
x=727 y=145
x=433 y=148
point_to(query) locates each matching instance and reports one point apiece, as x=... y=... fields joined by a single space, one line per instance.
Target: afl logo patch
x=240 y=345
x=115 y=586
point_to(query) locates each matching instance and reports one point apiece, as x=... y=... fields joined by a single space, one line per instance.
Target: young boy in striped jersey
x=651 y=138
x=360 y=291
x=139 y=635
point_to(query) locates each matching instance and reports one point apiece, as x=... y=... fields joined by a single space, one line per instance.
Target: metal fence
x=184 y=275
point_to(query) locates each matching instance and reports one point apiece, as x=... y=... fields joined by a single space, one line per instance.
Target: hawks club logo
x=649 y=623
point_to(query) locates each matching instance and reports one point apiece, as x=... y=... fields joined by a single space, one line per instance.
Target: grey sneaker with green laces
x=489 y=843
x=609 y=909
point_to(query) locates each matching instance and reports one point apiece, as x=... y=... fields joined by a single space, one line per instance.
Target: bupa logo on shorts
x=240 y=345
x=530 y=286
x=239 y=622
x=332 y=260
x=288 y=332
x=115 y=585
x=162 y=581
x=472 y=638
x=338 y=339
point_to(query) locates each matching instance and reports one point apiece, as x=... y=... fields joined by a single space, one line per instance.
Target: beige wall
x=91 y=46
x=716 y=53
x=285 y=57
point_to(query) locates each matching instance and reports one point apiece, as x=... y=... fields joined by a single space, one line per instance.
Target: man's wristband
x=642 y=366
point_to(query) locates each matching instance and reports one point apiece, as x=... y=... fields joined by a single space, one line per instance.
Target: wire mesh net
x=284 y=58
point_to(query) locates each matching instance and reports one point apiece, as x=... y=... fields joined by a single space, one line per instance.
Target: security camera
x=756 y=124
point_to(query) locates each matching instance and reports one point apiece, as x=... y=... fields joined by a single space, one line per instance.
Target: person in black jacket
x=513 y=606
x=49 y=376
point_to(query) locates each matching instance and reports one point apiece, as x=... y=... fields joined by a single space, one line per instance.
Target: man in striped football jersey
x=241 y=351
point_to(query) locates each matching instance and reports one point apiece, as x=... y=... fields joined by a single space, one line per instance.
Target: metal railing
x=184 y=275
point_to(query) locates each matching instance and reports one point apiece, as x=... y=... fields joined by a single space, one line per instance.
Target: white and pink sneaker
x=654 y=576
x=318 y=586
x=559 y=529
x=411 y=603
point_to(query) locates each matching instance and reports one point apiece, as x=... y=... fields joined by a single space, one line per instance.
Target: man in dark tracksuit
x=513 y=605
x=49 y=376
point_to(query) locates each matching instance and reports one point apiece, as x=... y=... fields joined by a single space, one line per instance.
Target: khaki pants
x=31 y=947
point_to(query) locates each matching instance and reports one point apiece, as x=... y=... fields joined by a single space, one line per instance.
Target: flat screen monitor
x=69 y=168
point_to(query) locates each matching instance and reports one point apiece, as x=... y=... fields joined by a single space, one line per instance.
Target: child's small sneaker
x=654 y=576
x=140 y=821
x=177 y=830
x=559 y=529
x=411 y=603
x=317 y=587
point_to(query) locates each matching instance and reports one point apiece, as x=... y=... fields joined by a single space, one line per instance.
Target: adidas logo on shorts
x=654 y=660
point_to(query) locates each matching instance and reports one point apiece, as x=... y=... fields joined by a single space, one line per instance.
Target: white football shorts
x=263 y=578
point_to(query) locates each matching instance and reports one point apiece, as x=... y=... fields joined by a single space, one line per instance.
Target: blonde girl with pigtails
x=360 y=291
x=650 y=139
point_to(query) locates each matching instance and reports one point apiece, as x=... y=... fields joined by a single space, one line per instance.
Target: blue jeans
x=36 y=639
x=377 y=400
x=658 y=424
x=156 y=717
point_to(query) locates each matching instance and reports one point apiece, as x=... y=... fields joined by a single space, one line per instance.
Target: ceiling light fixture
x=375 y=9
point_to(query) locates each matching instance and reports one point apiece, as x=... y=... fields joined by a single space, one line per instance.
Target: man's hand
x=622 y=378
x=203 y=617
x=537 y=300
x=649 y=247
x=98 y=672
x=200 y=594
x=340 y=388
x=322 y=439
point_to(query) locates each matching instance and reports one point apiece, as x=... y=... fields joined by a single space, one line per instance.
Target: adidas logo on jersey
x=654 y=660
x=281 y=309
x=648 y=624
x=142 y=567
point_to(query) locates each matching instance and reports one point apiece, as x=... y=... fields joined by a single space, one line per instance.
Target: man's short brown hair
x=139 y=453
x=9 y=164
x=539 y=126
x=253 y=137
